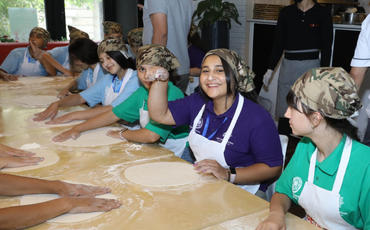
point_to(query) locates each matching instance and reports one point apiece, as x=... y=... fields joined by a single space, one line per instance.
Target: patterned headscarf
x=331 y=91
x=75 y=33
x=112 y=45
x=135 y=37
x=45 y=35
x=157 y=55
x=110 y=27
x=244 y=75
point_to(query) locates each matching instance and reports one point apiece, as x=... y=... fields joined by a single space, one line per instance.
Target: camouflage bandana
x=135 y=37
x=112 y=27
x=45 y=35
x=75 y=33
x=157 y=55
x=331 y=91
x=112 y=45
x=244 y=75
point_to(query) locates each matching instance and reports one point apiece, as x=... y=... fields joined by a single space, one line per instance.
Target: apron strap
x=233 y=121
x=311 y=171
x=342 y=165
x=197 y=118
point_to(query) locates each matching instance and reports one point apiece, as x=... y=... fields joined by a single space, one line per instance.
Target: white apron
x=110 y=95
x=213 y=150
x=177 y=146
x=29 y=69
x=91 y=82
x=323 y=205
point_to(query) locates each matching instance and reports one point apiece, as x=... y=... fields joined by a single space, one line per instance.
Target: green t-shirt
x=355 y=190
x=129 y=110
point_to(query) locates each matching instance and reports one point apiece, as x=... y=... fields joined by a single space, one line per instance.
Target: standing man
x=360 y=63
x=167 y=22
x=304 y=33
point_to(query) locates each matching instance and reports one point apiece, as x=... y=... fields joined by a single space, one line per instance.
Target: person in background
x=110 y=90
x=135 y=41
x=231 y=137
x=329 y=173
x=196 y=54
x=12 y=158
x=74 y=198
x=115 y=88
x=304 y=33
x=112 y=30
x=60 y=55
x=84 y=58
x=28 y=61
x=360 y=64
x=135 y=107
x=167 y=23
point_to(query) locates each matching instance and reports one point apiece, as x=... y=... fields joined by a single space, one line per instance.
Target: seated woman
x=75 y=198
x=59 y=56
x=110 y=91
x=28 y=61
x=12 y=158
x=135 y=107
x=329 y=173
x=231 y=137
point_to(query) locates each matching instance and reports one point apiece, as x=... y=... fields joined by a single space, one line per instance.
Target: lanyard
x=116 y=84
x=214 y=132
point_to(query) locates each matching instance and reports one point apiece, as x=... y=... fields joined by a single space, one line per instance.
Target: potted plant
x=215 y=22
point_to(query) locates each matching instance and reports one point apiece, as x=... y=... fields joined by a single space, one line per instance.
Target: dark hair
x=84 y=50
x=231 y=84
x=341 y=125
x=124 y=62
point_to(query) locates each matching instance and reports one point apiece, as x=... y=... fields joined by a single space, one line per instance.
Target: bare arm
x=81 y=115
x=158 y=103
x=28 y=215
x=101 y=120
x=358 y=74
x=159 y=23
x=52 y=63
x=280 y=203
x=7 y=77
x=140 y=136
x=67 y=90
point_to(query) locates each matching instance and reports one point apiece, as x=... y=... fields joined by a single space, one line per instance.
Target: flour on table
x=162 y=174
x=65 y=218
x=33 y=80
x=92 y=138
x=30 y=146
x=50 y=158
x=35 y=100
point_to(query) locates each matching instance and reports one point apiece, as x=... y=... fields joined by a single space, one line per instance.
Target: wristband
x=124 y=129
x=232 y=175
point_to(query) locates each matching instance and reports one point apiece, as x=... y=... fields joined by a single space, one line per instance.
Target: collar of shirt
x=331 y=163
x=229 y=113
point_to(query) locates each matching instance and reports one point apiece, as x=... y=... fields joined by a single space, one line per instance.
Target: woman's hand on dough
x=275 y=221
x=211 y=167
x=6 y=151
x=68 y=189
x=60 y=120
x=50 y=112
x=14 y=162
x=72 y=133
x=85 y=204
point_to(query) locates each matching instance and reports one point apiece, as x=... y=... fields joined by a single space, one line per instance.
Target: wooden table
x=211 y=204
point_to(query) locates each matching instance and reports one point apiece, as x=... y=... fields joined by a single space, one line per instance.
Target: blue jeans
x=188 y=155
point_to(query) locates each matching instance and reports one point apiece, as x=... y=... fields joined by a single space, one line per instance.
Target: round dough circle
x=35 y=100
x=50 y=158
x=65 y=218
x=92 y=138
x=162 y=174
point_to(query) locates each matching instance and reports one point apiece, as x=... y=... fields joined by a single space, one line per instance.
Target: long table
x=210 y=204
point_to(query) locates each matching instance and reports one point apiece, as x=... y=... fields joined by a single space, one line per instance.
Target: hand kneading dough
x=92 y=138
x=65 y=218
x=50 y=158
x=162 y=174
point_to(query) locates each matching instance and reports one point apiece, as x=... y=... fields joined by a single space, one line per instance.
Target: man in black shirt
x=304 y=30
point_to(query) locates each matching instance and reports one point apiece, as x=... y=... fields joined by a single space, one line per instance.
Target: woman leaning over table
x=329 y=173
x=231 y=137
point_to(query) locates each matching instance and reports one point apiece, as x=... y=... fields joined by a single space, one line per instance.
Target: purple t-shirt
x=254 y=139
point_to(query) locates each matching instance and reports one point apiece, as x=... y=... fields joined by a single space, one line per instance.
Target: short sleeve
x=12 y=62
x=95 y=94
x=157 y=6
x=181 y=110
x=162 y=130
x=81 y=80
x=365 y=199
x=129 y=109
x=361 y=57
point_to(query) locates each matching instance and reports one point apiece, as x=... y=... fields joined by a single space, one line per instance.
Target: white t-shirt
x=362 y=52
